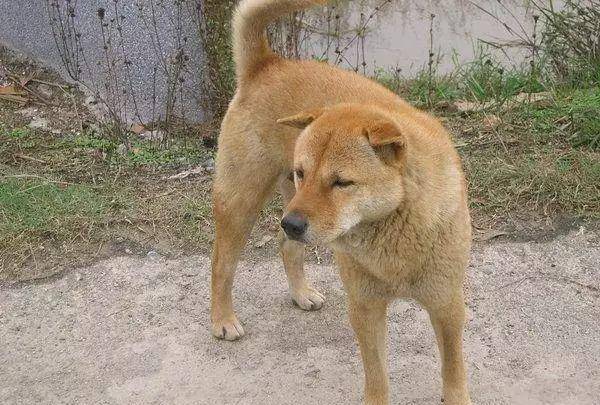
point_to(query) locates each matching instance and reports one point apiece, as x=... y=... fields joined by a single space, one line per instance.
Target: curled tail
x=250 y=45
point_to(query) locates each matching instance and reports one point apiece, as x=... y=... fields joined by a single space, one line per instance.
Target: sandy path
x=134 y=331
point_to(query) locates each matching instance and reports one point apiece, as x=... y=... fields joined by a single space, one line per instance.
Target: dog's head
x=349 y=162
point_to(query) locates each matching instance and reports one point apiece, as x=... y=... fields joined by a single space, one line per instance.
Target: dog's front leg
x=448 y=323
x=303 y=293
x=368 y=318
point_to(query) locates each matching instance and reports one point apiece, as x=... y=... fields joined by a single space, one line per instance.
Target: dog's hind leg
x=292 y=252
x=243 y=183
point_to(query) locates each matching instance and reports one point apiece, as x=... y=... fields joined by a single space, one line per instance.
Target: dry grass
x=69 y=200
x=75 y=197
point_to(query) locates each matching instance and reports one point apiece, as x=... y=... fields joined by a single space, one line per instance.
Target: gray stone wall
x=143 y=58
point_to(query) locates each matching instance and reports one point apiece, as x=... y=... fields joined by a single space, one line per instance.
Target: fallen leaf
x=187 y=173
x=138 y=128
x=31 y=158
x=535 y=98
x=38 y=123
x=155 y=135
x=11 y=93
x=540 y=98
x=491 y=234
x=471 y=106
x=10 y=89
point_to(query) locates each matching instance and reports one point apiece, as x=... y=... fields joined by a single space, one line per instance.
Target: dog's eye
x=299 y=174
x=342 y=183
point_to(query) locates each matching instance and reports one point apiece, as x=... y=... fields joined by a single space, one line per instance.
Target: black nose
x=294 y=224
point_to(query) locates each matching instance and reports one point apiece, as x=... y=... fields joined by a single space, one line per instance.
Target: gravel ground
x=134 y=330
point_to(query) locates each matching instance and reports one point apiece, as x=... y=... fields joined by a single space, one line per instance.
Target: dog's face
x=348 y=168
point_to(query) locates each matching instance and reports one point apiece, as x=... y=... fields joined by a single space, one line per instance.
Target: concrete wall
x=142 y=57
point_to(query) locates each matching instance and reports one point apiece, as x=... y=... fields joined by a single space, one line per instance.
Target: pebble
x=45 y=90
x=209 y=165
x=155 y=135
x=190 y=272
x=122 y=149
x=38 y=123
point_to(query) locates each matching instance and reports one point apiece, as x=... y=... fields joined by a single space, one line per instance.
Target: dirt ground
x=133 y=330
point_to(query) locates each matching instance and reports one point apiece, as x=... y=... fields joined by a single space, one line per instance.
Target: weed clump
x=571 y=41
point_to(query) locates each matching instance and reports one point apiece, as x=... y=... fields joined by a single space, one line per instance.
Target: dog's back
x=270 y=87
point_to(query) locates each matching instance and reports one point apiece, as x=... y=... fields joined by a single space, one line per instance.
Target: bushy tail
x=250 y=45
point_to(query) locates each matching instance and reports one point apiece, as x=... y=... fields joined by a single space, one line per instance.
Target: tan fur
x=399 y=224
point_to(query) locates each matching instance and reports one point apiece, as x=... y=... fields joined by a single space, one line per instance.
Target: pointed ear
x=301 y=120
x=383 y=132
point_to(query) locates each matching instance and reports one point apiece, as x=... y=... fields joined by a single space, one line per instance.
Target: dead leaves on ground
x=19 y=92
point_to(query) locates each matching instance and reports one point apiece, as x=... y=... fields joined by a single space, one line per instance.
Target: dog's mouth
x=300 y=230
x=329 y=239
x=307 y=237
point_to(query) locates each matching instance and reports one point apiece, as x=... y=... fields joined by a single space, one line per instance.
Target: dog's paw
x=308 y=299
x=228 y=329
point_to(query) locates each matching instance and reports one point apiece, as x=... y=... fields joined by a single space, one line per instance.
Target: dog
x=361 y=171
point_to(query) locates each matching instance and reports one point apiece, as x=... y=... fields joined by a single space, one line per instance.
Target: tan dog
x=374 y=178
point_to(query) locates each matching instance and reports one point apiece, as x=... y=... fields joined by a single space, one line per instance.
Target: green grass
x=481 y=79
x=542 y=157
x=572 y=116
x=177 y=154
x=47 y=222
x=63 y=199
x=90 y=141
x=140 y=153
x=18 y=133
x=583 y=110
x=33 y=205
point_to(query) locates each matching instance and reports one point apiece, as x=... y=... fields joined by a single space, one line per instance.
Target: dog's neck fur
x=409 y=231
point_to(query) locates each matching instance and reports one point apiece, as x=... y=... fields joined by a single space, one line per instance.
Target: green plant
x=214 y=29
x=583 y=112
x=571 y=41
x=94 y=142
x=485 y=79
x=572 y=118
x=148 y=154
x=18 y=133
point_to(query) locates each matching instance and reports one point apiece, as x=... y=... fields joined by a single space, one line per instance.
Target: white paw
x=308 y=299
